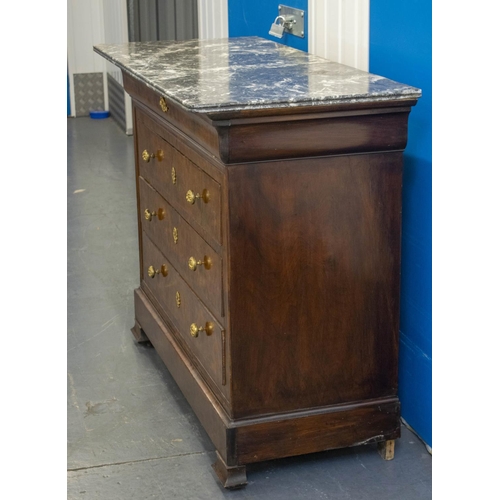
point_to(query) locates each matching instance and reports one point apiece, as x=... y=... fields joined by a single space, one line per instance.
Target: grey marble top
x=247 y=73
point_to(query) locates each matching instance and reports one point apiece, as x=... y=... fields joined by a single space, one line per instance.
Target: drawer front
x=183 y=245
x=183 y=308
x=188 y=188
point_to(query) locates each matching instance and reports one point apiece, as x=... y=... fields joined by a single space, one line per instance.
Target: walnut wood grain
x=187 y=145
x=188 y=176
x=314 y=135
x=338 y=428
x=207 y=283
x=207 y=349
x=314 y=281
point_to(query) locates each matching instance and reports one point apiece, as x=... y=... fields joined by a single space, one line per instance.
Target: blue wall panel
x=254 y=18
x=401 y=49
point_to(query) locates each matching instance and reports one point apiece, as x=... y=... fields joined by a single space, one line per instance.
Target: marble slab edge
x=410 y=96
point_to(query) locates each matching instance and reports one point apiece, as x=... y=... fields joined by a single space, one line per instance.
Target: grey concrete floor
x=131 y=433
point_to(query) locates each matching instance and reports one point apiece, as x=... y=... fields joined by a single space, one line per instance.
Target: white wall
x=116 y=31
x=339 y=31
x=85 y=29
x=212 y=19
x=91 y=22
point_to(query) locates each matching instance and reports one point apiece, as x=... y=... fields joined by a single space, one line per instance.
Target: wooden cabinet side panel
x=314 y=281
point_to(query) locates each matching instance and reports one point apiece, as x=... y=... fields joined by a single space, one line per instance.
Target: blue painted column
x=254 y=18
x=401 y=49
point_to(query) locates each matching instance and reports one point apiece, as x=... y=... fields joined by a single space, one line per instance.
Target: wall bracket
x=296 y=16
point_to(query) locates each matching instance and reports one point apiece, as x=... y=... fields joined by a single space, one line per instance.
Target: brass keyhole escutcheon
x=152 y=272
x=163 y=104
x=193 y=263
x=177 y=299
x=195 y=330
x=174 y=176
x=175 y=234
x=191 y=197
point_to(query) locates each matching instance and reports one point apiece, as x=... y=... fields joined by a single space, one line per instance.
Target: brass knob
x=152 y=272
x=195 y=330
x=149 y=215
x=191 y=197
x=163 y=104
x=175 y=234
x=177 y=299
x=146 y=155
x=174 y=176
x=193 y=263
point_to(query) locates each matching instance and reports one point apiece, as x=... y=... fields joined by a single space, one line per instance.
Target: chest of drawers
x=269 y=229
